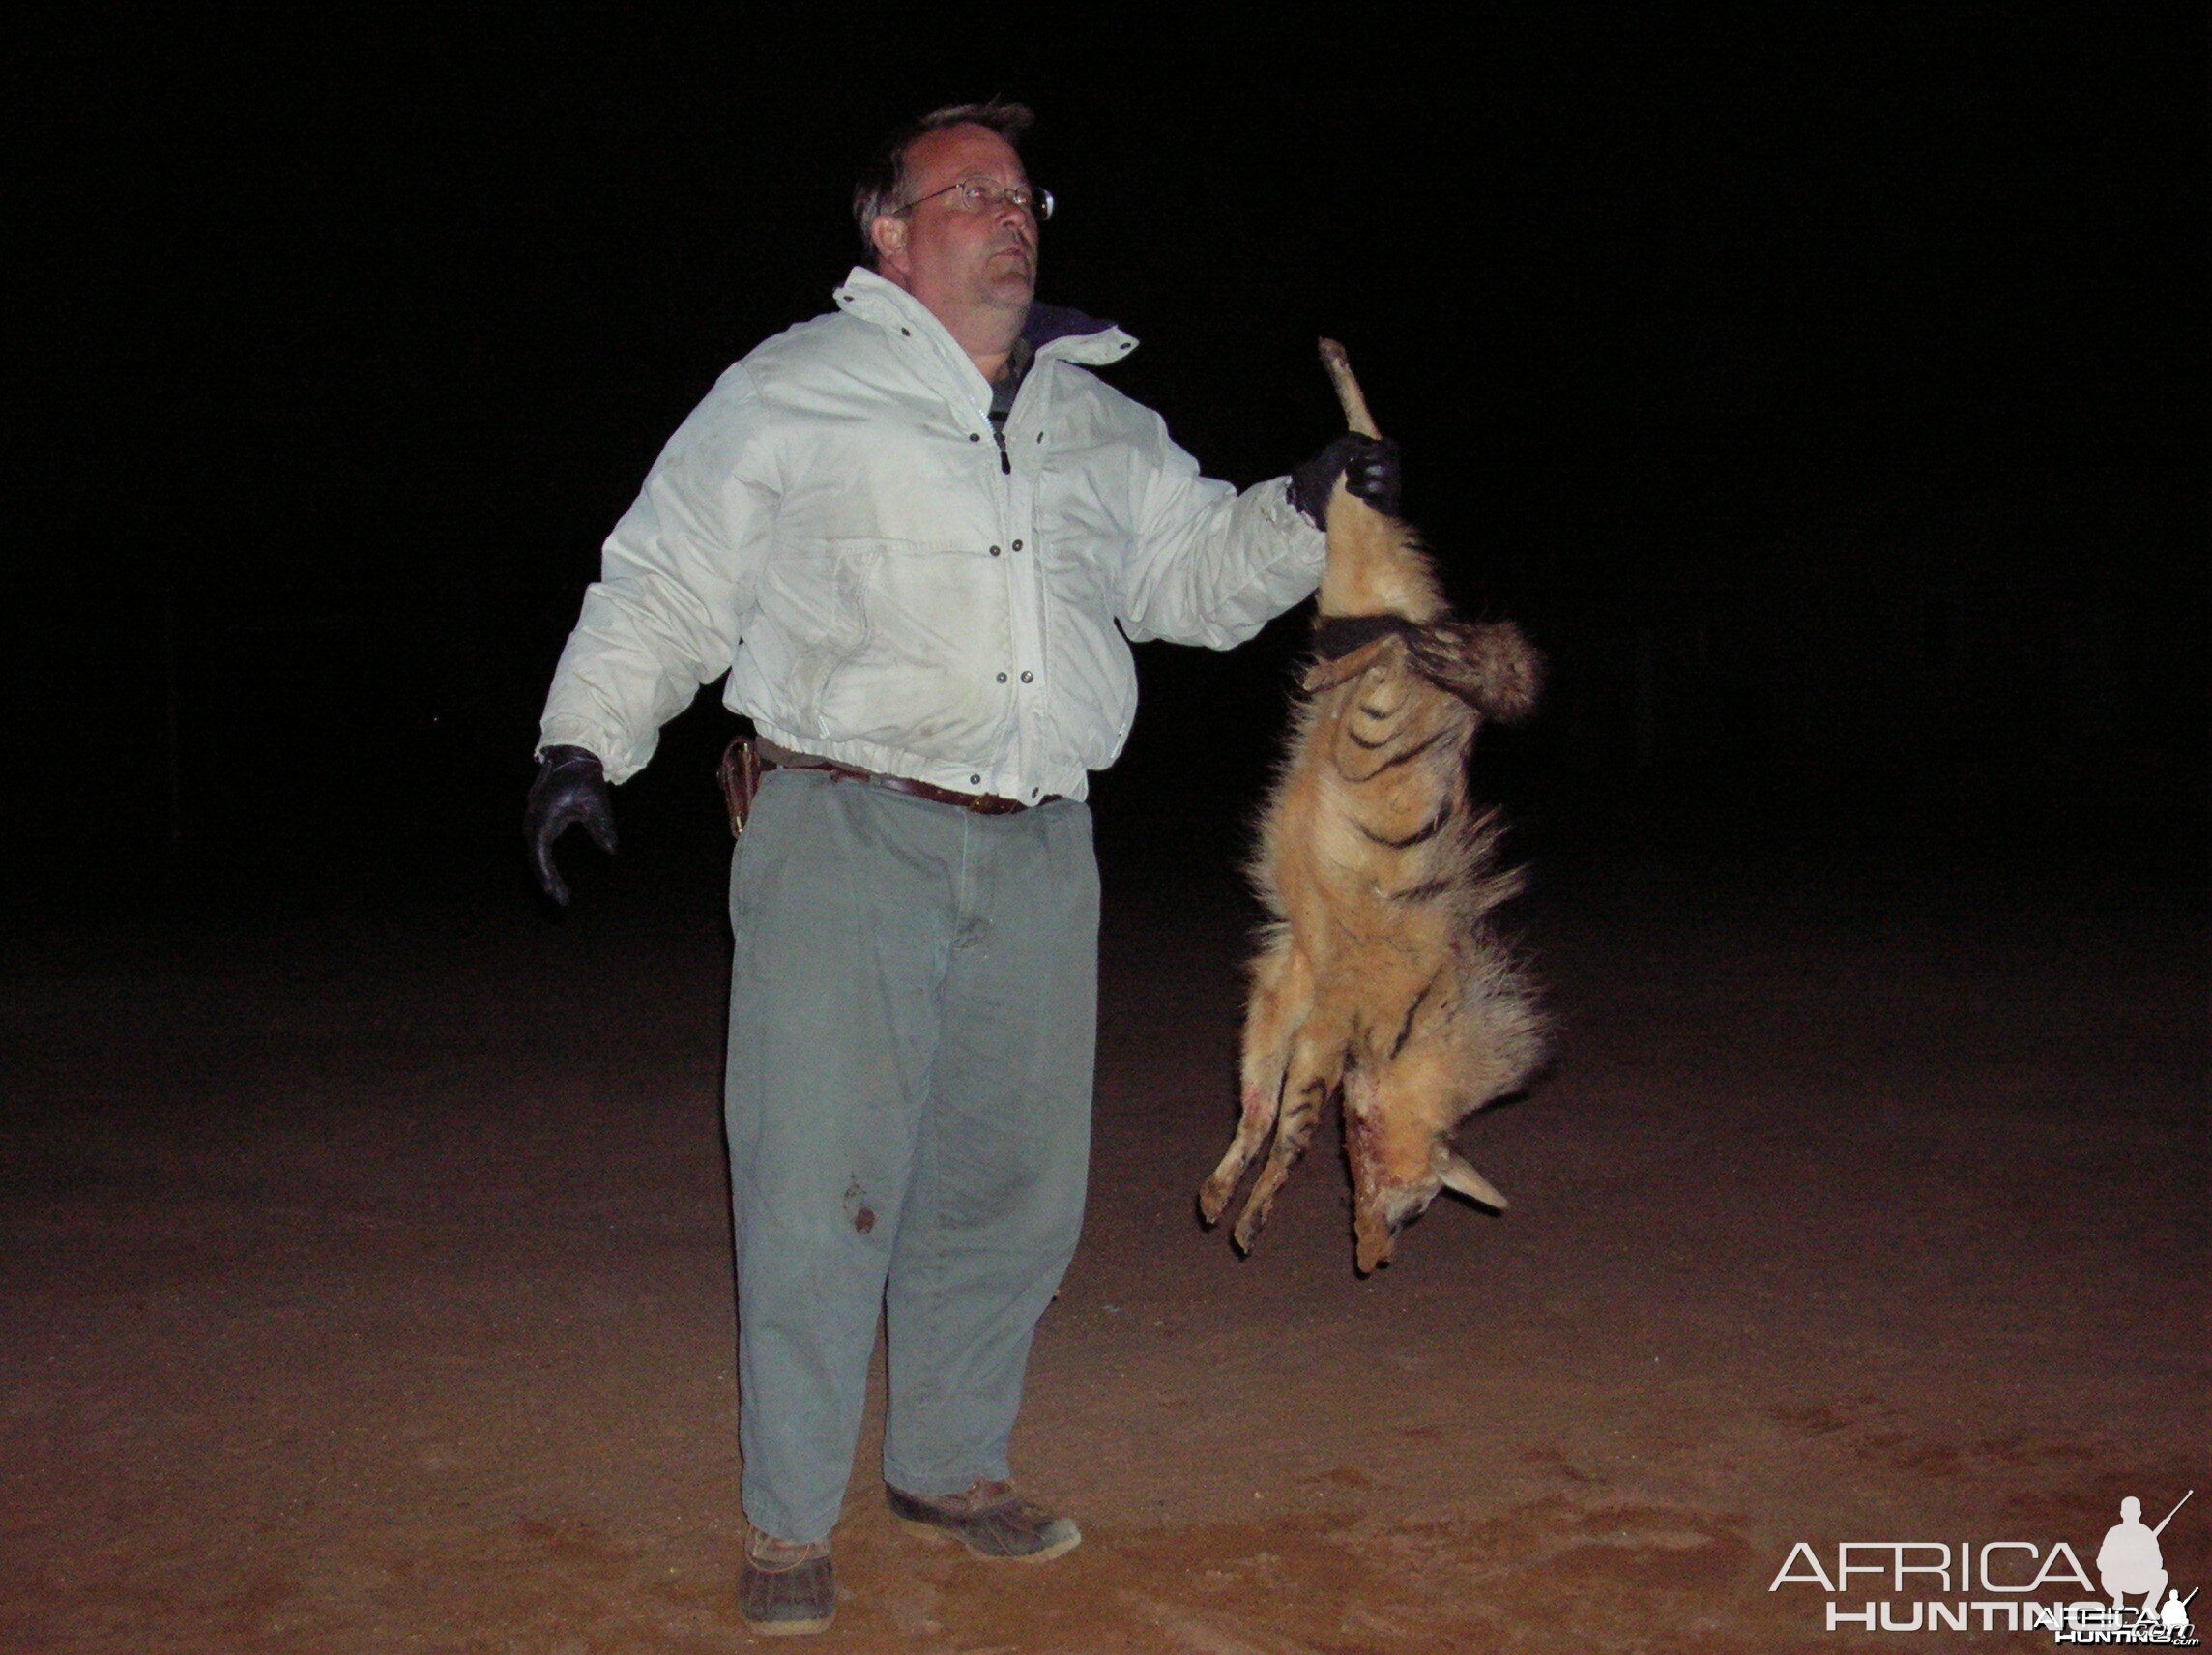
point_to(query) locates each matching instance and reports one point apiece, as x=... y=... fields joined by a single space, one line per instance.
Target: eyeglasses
x=988 y=195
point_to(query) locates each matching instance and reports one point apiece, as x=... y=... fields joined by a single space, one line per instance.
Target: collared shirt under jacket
x=841 y=530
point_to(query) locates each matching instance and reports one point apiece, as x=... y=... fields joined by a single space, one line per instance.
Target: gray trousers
x=912 y=1022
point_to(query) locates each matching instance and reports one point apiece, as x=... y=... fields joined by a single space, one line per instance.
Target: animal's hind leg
x=1317 y=1063
x=1282 y=992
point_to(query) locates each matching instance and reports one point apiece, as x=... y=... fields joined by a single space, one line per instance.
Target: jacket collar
x=1052 y=330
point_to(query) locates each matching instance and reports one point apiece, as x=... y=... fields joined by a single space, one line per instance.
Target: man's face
x=949 y=258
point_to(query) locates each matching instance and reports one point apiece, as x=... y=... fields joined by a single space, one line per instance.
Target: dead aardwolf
x=1379 y=977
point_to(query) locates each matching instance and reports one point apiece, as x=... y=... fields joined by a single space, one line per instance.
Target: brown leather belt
x=775 y=758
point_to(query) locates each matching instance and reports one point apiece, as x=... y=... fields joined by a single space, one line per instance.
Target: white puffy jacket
x=838 y=527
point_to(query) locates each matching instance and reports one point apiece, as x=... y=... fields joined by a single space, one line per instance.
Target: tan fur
x=1380 y=980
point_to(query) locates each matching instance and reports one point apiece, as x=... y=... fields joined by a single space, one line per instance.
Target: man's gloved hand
x=1369 y=467
x=571 y=788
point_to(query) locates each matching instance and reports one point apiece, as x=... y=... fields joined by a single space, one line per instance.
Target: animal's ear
x=1492 y=668
x=1328 y=675
x=1459 y=1175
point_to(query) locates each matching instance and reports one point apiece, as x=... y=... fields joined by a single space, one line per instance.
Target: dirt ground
x=365 y=1282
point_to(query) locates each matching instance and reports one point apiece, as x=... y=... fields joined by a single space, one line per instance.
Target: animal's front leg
x=1282 y=994
x=1317 y=1061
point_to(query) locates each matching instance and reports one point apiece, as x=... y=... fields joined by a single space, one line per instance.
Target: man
x=2130 y=1560
x=908 y=531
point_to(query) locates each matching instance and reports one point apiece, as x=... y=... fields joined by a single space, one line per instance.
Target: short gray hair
x=883 y=184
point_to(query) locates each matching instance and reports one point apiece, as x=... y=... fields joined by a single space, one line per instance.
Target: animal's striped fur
x=1379 y=979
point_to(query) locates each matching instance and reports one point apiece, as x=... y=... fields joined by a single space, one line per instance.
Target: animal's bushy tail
x=1490 y=666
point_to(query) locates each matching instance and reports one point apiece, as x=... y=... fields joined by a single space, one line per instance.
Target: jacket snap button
x=976 y=781
x=1025 y=679
x=1002 y=677
x=975 y=436
x=1018 y=545
x=994 y=550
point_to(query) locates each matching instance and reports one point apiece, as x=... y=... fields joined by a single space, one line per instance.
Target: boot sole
x=938 y=1535
x=786 y=1628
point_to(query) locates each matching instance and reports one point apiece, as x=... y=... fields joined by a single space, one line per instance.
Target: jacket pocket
x=816 y=595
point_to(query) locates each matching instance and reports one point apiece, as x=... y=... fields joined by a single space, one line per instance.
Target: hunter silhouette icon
x=2130 y=1560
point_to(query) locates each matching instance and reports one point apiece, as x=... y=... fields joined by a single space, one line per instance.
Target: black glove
x=571 y=788
x=1369 y=467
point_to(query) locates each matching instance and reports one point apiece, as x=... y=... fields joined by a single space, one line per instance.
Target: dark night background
x=1824 y=392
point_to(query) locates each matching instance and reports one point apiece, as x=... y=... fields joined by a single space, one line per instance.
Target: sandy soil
x=365 y=1284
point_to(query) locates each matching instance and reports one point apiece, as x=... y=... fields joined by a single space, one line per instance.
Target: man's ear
x=886 y=234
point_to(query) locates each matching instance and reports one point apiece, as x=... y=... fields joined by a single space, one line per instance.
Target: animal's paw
x=1252 y=1220
x=1212 y=1201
